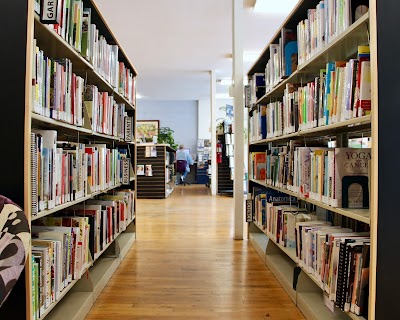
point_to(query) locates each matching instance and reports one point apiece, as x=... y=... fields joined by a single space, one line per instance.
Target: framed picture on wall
x=146 y=129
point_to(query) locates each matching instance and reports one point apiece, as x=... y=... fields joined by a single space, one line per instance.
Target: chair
x=14 y=245
x=181 y=168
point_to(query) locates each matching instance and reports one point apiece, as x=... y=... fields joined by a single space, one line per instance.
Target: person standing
x=185 y=156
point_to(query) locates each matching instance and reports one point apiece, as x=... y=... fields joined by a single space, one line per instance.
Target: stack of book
x=57 y=91
x=61 y=95
x=127 y=83
x=262 y=198
x=65 y=246
x=338 y=177
x=60 y=255
x=77 y=29
x=341 y=92
x=338 y=259
x=258 y=124
x=324 y=23
x=106 y=116
x=67 y=171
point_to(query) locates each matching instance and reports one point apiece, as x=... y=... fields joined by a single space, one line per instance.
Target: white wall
x=204 y=119
x=181 y=116
x=204 y=116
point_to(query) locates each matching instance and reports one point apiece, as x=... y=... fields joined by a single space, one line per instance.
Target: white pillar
x=237 y=32
x=214 y=177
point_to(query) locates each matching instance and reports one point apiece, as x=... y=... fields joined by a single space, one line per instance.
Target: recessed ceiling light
x=274 y=7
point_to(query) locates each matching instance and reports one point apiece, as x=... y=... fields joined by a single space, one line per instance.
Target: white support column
x=213 y=104
x=237 y=32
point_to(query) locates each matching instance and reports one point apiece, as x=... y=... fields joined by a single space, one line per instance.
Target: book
x=351 y=177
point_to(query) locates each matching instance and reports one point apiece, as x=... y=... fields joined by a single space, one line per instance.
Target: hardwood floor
x=186 y=265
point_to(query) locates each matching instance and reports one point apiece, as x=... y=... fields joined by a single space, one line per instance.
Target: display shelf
x=61 y=296
x=60 y=207
x=99 y=254
x=155 y=186
x=362 y=215
x=358 y=124
x=23 y=31
x=42 y=121
x=125 y=242
x=60 y=48
x=354 y=316
x=260 y=243
x=83 y=297
x=101 y=273
x=283 y=270
x=342 y=48
x=290 y=252
x=120 y=98
x=75 y=306
x=312 y=305
x=313 y=278
x=66 y=128
x=63 y=206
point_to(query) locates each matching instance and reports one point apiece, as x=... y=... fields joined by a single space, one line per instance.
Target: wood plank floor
x=186 y=265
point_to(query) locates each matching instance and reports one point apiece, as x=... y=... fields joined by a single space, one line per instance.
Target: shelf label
x=249 y=210
x=50 y=12
x=126 y=171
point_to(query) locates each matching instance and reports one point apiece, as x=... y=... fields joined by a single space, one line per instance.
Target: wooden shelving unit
x=79 y=296
x=303 y=288
x=162 y=183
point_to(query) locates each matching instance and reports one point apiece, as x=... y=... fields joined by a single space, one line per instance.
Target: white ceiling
x=173 y=43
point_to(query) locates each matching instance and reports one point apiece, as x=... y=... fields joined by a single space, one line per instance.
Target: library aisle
x=186 y=265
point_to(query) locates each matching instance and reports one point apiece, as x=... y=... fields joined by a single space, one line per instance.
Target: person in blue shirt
x=182 y=155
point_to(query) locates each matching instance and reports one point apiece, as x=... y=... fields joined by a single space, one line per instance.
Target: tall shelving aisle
x=72 y=91
x=296 y=137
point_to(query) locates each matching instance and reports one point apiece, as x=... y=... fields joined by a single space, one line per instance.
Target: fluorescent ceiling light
x=274 y=7
x=139 y=96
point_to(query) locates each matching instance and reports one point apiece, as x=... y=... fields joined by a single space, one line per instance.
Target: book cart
x=21 y=31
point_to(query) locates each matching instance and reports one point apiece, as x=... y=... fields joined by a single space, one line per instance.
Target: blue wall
x=180 y=116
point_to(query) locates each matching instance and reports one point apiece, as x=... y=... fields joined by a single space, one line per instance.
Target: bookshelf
x=162 y=183
x=305 y=289
x=78 y=296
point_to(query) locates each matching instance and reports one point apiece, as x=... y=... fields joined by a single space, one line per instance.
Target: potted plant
x=165 y=136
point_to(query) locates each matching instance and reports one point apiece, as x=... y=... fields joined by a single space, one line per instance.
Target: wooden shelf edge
x=351 y=213
x=44 y=213
x=352 y=123
x=290 y=252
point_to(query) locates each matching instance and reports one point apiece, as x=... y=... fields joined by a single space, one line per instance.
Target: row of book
x=295 y=47
x=64 y=246
x=77 y=29
x=61 y=95
x=341 y=92
x=338 y=177
x=67 y=171
x=336 y=257
x=326 y=22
